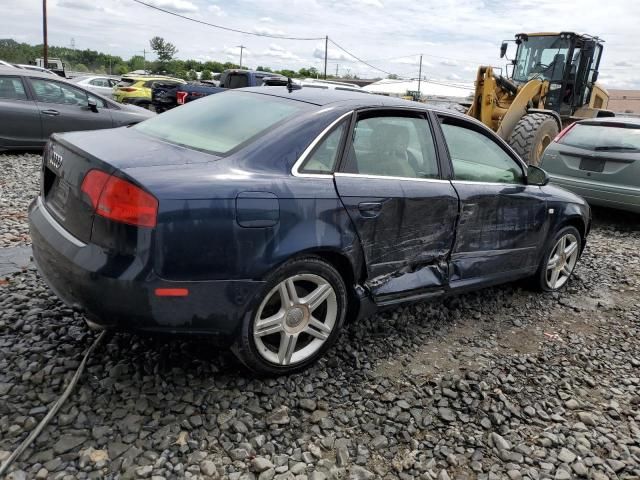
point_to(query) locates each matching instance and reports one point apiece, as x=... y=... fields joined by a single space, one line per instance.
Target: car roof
x=609 y=120
x=24 y=71
x=320 y=96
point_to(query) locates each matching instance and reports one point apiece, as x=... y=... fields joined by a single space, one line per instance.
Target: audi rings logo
x=55 y=160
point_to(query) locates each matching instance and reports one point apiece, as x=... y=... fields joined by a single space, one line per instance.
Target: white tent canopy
x=428 y=89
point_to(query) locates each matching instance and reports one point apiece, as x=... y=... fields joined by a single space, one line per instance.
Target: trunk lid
x=68 y=157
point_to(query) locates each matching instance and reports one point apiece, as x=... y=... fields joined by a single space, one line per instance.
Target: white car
x=6 y=64
x=97 y=83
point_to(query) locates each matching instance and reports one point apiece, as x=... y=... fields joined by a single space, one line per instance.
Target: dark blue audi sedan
x=273 y=216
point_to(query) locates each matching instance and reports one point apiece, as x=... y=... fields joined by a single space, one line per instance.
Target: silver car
x=599 y=159
x=96 y=83
x=34 y=105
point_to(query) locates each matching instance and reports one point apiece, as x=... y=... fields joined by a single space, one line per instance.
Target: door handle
x=370 y=209
x=50 y=112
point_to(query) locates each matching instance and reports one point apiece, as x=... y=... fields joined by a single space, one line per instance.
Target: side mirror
x=93 y=105
x=503 y=49
x=537 y=176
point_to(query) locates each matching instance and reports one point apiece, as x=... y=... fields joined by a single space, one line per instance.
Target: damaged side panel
x=406 y=230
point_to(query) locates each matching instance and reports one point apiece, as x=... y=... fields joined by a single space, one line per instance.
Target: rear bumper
x=600 y=194
x=119 y=292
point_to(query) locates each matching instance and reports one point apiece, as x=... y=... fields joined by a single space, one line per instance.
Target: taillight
x=181 y=97
x=563 y=132
x=120 y=200
x=128 y=89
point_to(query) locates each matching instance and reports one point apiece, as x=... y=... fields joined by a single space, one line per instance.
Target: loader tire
x=531 y=135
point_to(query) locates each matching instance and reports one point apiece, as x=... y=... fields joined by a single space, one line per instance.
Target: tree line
x=97 y=62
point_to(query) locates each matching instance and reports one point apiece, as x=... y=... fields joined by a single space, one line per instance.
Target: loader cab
x=568 y=61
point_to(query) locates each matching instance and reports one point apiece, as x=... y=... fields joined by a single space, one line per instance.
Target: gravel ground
x=504 y=383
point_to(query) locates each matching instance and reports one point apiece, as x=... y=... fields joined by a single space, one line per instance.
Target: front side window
x=222 y=122
x=324 y=157
x=477 y=157
x=393 y=146
x=50 y=91
x=541 y=56
x=12 y=88
x=99 y=82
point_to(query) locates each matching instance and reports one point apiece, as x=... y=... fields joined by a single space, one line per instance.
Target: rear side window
x=99 y=82
x=12 y=88
x=478 y=158
x=323 y=159
x=393 y=146
x=605 y=137
x=222 y=122
x=49 y=91
x=126 y=82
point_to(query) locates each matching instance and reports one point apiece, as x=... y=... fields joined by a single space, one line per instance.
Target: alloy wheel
x=295 y=319
x=562 y=261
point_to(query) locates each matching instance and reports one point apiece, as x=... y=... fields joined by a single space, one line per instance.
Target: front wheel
x=297 y=318
x=532 y=135
x=560 y=260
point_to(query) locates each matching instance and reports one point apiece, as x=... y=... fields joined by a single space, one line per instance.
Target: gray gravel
x=503 y=383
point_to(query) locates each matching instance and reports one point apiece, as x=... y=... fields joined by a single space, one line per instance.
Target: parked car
x=272 y=216
x=136 y=90
x=101 y=84
x=5 y=64
x=598 y=159
x=35 y=69
x=167 y=96
x=34 y=105
x=236 y=78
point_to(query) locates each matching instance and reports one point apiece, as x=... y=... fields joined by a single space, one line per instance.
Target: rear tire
x=559 y=261
x=531 y=135
x=295 y=320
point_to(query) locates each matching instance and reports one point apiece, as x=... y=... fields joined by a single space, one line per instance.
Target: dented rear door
x=404 y=213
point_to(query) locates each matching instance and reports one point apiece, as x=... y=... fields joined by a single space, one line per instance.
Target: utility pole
x=420 y=75
x=45 y=53
x=241 y=47
x=337 y=65
x=144 y=60
x=326 y=51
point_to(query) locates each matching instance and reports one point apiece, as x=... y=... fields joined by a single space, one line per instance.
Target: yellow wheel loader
x=552 y=84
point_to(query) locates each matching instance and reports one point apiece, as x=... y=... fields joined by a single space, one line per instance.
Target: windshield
x=219 y=123
x=603 y=138
x=542 y=57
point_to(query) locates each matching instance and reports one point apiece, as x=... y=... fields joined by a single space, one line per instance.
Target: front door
x=503 y=221
x=404 y=212
x=64 y=108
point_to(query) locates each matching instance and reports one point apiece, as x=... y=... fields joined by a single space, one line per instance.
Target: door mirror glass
x=92 y=104
x=503 y=49
x=537 y=176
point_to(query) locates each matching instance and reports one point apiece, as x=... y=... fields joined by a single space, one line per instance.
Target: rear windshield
x=603 y=138
x=237 y=80
x=126 y=82
x=222 y=122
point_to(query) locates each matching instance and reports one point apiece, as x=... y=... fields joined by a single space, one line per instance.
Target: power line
x=358 y=58
x=229 y=29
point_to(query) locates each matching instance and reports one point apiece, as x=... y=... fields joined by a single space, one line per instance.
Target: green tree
x=164 y=50
x=287 y=73
x=136 y=63
x=393 y=76
x=206 y=75
x=80 y=67
x=121 y=69
x=192 y=75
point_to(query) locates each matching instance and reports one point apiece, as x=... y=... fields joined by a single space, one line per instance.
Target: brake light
x=119 y=200
x=128 y=89
x=563 y=132
x=172 y=292
x=181 y=97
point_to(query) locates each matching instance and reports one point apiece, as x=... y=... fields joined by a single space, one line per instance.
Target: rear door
x=403 y=209
x=503 y=221
x=65 y=108
x=19 y=115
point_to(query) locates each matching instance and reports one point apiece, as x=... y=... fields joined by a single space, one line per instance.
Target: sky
x=454 y=36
